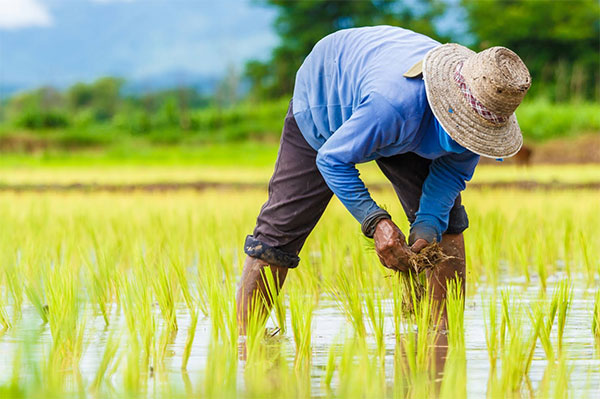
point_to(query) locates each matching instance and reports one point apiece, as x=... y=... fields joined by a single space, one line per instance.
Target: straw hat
x=474 y=96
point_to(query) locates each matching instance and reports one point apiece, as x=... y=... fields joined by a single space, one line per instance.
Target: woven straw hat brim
x=455 y=114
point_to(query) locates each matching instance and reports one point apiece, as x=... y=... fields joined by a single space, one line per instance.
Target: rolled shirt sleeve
x=447 y=178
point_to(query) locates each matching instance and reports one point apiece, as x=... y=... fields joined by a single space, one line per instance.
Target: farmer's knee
x=272 y=255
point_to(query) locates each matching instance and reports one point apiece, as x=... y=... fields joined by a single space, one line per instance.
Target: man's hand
x=391 y=247
x=419 y=245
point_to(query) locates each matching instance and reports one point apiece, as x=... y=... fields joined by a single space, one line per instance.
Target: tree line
x=558 y=40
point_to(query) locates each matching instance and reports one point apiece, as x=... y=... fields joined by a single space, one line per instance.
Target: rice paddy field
x=132 y=294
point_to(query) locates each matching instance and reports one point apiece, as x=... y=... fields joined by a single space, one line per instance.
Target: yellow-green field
x=129 y=174
x=132 y=295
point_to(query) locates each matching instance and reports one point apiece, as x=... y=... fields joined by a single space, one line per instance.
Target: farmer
x=424 y=112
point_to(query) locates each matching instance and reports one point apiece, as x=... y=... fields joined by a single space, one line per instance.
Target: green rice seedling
x=221 y=307
x=416 y=363
x=543 y=321
x=348 y=298
x=596 y=318
x=99 y=292
x=586 y=257
x=190 y=338
x=331 y=364
x=562 y=377
x=133 y=373
x=110 y=350
x=400 y=387
x=505 y=324
x=488 y=256
x=548 y=316
x=497 y=229
x=555 y=382
x=274 y=297
x=164 y=283
x=202 y=290
x=26 y=378
x=374 y=309
x=523 y=259
x=541 y=265
x=222 y=360
x=64 y=313
x=14 y=285
x=33 y=284
x=160 y=354
x=567 y=245
x=255 y=333
x=100 y=287
x=516 y=356
x=100 y=282
x=302 y=306
x=190 y=301
x=220 y=375
x=410 y=282
x=492 y=331
x=13 y=388
x=5 y=322
x=301 y=380
x=4 y=319
x=537 y=324
x=183 y=281
x=376 y=316
x=398 y=307
x=67 y=325
x=565 y=296
x=355 y=380
x=264 y=361
x=35 y=296
x=136 y=301
x=418 y=347
x=427 y=318
x=455 y=309
x=454 y=380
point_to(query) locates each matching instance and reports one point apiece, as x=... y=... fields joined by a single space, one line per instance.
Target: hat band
x=476 y=105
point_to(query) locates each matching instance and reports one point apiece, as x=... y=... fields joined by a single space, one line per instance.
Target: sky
x=59 y=42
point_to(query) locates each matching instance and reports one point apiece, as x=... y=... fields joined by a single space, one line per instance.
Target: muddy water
x=329 y=325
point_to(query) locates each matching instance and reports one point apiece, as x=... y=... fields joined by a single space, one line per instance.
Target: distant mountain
x=171 y=80
x=8 y=90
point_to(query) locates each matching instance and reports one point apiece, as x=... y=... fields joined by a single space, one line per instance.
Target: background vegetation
x=558 y=40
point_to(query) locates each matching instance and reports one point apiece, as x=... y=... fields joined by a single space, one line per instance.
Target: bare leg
x=253 y=291
x=453 y=245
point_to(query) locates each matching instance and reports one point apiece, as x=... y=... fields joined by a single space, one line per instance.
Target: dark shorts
x=298 y=196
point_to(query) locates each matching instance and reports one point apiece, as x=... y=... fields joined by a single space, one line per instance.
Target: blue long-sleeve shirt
x=353 y=105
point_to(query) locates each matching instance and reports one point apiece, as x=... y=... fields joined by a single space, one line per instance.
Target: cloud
x=16 y=14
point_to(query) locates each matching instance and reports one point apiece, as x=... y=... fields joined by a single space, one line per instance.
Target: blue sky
x=62 y=41
x=59 y=42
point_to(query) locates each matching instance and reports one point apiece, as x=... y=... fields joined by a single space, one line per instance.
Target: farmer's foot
x=253 y=294
x=451 y=269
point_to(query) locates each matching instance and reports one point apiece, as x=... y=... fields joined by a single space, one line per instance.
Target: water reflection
x=413 y=373
x=219 y=367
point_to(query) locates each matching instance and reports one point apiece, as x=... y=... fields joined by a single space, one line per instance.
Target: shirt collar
x=445 y=140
